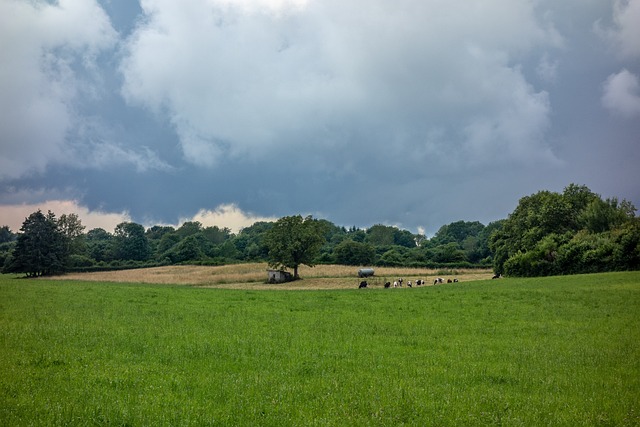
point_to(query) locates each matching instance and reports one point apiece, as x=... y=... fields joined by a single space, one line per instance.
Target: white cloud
x=621 y=94
x=275 y=6
x=227 y=215
x=511 y=118
x=14 y=215
x=547 y=69
x=104 y=154
x=626 y=33
x=40 y=44
x=238 y=83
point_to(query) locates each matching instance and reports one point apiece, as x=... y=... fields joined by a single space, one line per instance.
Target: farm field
x=524 y=352
x=254 y=276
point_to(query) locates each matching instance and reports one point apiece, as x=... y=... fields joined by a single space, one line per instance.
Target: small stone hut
x=279 y=276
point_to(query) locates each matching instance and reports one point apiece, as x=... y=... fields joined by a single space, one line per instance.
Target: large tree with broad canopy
x=294 y=241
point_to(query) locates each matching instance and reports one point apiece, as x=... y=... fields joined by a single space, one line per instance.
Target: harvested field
x=253 y=276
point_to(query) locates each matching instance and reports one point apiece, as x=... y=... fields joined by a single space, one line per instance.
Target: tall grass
x=553 y=351
x=254 y=276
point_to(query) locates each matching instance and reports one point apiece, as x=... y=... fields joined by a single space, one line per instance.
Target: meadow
x=254 y=276
x=519 y=352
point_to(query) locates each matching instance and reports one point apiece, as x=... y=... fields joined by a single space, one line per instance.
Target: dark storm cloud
x=411 y=113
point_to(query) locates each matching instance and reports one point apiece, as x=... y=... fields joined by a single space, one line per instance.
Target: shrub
x=76 y=261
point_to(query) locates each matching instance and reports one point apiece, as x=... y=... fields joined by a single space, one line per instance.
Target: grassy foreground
x=552 y=351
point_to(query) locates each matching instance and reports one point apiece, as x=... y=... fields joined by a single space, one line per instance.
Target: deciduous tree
x=573 y=232
x=72 y=228
x=294 y=241
x=349 y=252
x=381 y=235
x=131 y=242
x=99 y=244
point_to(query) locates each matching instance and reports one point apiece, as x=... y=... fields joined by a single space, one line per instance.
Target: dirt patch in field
x=253 y=276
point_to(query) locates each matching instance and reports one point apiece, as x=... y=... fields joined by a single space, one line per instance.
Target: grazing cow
x=363 y=284
x=418 y=282
x=497 y=276
x=455 y=280
x=395 y=284
x=449 y=281
x=409 y=284
x=387 y=284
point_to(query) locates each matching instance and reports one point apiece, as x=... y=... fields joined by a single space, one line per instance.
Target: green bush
x=391 y=258
x=76 y=261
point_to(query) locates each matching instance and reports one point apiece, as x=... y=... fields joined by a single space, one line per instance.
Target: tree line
x=576 y=231
x=548 y=233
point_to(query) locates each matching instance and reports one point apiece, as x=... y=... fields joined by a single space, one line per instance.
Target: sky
x=411 y=113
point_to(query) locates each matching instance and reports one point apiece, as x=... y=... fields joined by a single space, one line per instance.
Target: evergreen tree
x=41 y=249
x=6 y=235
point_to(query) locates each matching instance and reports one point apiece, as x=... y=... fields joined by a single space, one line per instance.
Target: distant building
x=279 y=276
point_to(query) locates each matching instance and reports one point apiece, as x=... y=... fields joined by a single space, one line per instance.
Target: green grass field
x=517 y=352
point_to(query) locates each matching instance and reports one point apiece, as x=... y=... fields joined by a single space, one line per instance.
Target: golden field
x=254 y=276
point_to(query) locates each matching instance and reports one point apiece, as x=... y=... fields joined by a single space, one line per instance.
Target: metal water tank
x=365 y=272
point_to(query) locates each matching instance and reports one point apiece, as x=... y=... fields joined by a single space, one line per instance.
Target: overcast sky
x=413 y=113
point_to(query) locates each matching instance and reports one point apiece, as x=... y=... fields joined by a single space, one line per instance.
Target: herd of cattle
x=419 y=282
